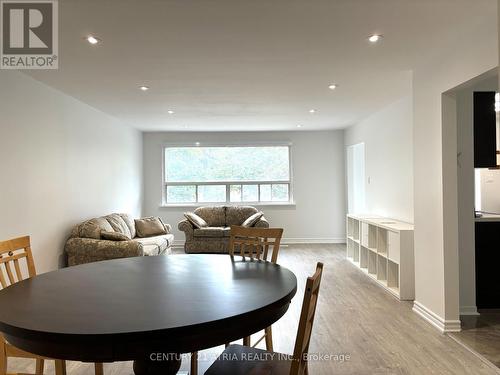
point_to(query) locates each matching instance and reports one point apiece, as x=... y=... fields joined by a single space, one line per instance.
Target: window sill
x=259 y=204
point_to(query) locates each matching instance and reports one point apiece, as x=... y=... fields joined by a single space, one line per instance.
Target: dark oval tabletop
x=123 y=309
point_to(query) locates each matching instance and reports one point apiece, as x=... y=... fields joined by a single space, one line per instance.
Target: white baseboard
x=441 y=324
x=289 y=241
x=468 y=310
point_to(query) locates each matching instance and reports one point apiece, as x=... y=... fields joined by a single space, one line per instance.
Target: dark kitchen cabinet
x=487 y=260
x=485 y=145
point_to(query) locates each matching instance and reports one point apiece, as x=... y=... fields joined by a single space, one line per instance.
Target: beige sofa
x=85 y=244
x=215 y=237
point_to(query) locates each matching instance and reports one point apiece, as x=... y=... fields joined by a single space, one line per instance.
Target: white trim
x=468 y=310
x=232 y=204
x=227 y=144
x=441 y=324
x=289 y=241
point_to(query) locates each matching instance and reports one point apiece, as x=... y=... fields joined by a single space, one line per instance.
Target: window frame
x=227 y=184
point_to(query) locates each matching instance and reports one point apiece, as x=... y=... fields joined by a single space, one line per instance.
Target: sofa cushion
x=215 y=216
x=194 y=219
x=118 y=224
x=113 y=236
x=209 y=232
x=238 y=214
x=92 y=228
x=150 y=226
x=227 y=231
x=130 y=224
x=155 y=245
x=250 y=222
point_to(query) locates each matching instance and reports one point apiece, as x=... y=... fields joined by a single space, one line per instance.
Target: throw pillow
x=252 y=220
x=194 y=219
x=150 y=226
x=114 y=236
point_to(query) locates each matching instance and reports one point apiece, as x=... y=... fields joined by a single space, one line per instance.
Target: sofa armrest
x=87 y=250
x=262 y=223
x=186 y=227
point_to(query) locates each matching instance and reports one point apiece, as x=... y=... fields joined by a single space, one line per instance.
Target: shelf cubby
x=355 y=230
x=363 y=257
x=392 y=275
x=350 y=248
x=382 y=241
x=349 y=227
x=381 y=268
x=372 y=236
x=355 y=256
x=372 y=263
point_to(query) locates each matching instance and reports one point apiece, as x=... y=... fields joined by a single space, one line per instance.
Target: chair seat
x=244 y=360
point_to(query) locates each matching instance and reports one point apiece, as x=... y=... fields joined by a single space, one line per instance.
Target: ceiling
x=244 y=65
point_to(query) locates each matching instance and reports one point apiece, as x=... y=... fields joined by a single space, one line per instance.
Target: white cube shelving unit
x=383 y=249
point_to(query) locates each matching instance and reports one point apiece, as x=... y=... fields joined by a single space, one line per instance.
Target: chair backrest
x=255 y=242
x=299 y=363
x=11 y=253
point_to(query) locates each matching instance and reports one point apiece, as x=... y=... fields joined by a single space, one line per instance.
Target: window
x=227 y=174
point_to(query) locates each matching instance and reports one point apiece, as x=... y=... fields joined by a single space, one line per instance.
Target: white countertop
x=487 y=217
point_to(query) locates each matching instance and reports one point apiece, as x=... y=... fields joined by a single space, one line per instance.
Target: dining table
x=148 y=310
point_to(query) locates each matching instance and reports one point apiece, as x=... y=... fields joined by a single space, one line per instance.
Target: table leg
x=164 y=365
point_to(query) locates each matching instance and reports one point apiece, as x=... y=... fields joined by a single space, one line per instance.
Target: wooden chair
x=13 y=270
x=244 y=360
x=255 y=243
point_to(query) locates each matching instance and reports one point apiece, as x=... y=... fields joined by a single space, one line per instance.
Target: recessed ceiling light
x=197 y=143
x=299 y=126
x=312 y=111
x=333 y=86
x=170 y=112
x=375 y=38
x=93 y=40
x=144 y=88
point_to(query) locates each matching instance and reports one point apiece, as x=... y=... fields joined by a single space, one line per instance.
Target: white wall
x=388 y=138
x=61 y=162
x=318 y=175
x=435 y=169
x=465 y=175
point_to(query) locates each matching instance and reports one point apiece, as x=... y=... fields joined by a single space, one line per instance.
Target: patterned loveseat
x=86 y=245
x=215 y=237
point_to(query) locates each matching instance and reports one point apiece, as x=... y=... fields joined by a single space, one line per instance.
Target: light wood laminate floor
x=482 y=334
x=355 y=318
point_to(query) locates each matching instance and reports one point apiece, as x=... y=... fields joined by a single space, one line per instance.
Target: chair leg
x=3 y=357
x=60 y=367
x=269 y=339
x=40 y=365
x=99 y=368
x=194 y=363
x=246 y=341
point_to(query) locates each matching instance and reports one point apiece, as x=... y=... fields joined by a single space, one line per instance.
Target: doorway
x=356 y=203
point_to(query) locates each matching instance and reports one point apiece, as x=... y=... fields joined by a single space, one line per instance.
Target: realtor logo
x=29 y=34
